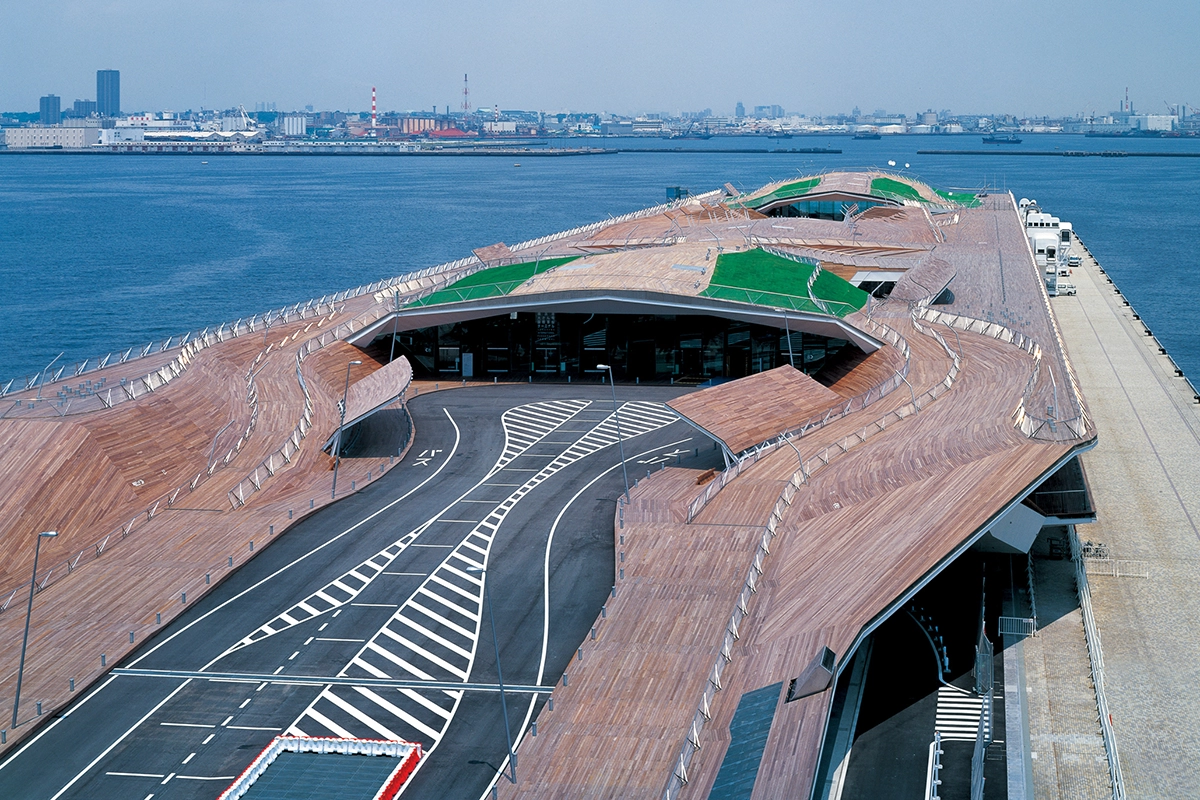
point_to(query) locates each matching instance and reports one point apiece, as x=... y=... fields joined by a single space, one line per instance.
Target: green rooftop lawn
x=765 y=279
x=492 y=282
x=898 y=189
x=965 y=199
x=793 y=189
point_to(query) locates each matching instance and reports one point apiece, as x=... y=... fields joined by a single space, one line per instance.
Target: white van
x=1066 y=289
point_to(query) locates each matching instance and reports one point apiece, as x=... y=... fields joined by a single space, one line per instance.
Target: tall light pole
x=337 y=445
x=617 y=416
x=512 y=756
x=28 y=613
x=788 y=332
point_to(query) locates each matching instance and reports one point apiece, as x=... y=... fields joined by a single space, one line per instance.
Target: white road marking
x=208 y=738
x=185 y=725
x=252 y=728
x=118 y=740
x=189 y=758
x=375 y=605
x=134 y=775
x=324 y=639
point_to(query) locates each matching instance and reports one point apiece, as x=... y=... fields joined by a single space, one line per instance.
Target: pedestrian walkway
x=957 y=714
x=1145 y=480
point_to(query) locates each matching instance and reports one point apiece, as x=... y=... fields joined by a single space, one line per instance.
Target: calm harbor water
x=100 y=253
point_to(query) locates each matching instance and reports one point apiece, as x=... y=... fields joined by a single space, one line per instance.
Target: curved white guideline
x=434 y=634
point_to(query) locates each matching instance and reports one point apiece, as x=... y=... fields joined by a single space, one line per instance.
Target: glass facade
x=823 y=209
x=682 y=349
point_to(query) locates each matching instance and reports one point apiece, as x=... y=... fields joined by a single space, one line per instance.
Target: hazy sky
x=816 y=56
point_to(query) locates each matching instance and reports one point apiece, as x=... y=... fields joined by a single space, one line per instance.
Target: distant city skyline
x=1021 y=57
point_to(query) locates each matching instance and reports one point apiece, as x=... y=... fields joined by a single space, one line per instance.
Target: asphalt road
x=508 y=487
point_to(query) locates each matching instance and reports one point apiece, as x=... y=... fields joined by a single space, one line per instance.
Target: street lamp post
x=28 y=613
x=512 y=756
x=617 y=416
x=787 y=330
x=337 y=445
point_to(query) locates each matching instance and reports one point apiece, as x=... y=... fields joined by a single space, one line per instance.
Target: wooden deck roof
x=900 y=493
x=751 y=410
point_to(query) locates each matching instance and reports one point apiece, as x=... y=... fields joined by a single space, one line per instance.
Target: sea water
x=100 y=253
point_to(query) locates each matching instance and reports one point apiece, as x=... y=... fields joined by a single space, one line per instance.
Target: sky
x=1049 y=57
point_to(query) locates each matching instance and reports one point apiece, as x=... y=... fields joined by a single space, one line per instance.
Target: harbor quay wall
x=1145 y=480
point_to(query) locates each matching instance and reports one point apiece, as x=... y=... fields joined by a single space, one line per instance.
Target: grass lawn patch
x=492 y=282
x=793 y=189
x=897 y=189
x=765 y=279
x=965 y=199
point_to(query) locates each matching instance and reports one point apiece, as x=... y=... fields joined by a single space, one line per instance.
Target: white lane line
x=505 y=485
x=443 y=519
x=293 y=655
x=426 y=654
x=318 y=548
x=118 y=740
x=416 y=574
x=185 y=725
x=446 y=643
x=546 y=562
x=277 y=671
x=324 y=625
x=329 y=724
x=426 y=702
x=167 y=779
x=486 y=502
x=245 y=703
x=227 y=720
x=441 y=620
x=308 y=641
x=204 y=777
x=208 y=738
x=466 y=576
x=361 y=717
x=325 y=639
x=375 y=605
x=189 y=758
x=440 y=581
x=135 y=775
x=398 y=712
x=251 y=728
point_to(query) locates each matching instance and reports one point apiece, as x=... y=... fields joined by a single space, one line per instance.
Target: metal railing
x=1031 y=425
x=691 y=743
x=188 y=344
x=57 y=571
x=1116 y=567
x=1017 y=626
x=282 y=456
x=1096 y=658
x=856 y=403
x=1079 y=424
x=933 y=788
x=983 y=738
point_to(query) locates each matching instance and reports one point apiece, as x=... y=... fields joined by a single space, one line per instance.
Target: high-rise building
x=108 y=92
x=84 y=108
x=51 y=110
x=739 y=110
